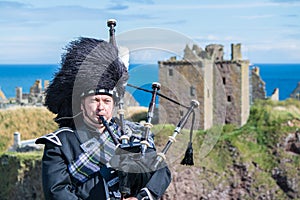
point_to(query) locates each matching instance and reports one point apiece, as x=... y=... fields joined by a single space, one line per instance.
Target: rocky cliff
x=240 y=178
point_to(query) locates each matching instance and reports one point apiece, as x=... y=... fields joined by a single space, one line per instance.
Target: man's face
x=95 y=105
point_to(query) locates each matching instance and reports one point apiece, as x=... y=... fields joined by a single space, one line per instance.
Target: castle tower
x=36 y=88
x=221 y=86
x=215 y=51
x=208 y=93
x=19 y=94
x=185 y=80
x=236 y=53
x=245 y=91
x=235 y=76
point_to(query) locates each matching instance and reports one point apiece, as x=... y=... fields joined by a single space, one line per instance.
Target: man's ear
x=81 y=104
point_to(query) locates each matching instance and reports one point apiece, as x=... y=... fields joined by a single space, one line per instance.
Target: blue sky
x=36 y=31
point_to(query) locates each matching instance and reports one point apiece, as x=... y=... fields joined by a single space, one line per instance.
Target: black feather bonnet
x=89 y=66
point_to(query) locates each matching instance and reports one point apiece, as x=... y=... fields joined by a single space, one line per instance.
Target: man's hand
x=131 y=198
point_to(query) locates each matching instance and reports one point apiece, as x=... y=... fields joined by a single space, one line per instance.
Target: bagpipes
x=137 y=161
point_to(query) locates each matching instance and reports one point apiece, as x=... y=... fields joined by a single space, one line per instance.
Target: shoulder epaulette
x=52 y=137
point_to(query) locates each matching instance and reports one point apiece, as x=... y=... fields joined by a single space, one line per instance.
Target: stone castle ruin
x=257 y=85
x=224 y=88
x=296 y=92
x=35 y=95
x=3 y=99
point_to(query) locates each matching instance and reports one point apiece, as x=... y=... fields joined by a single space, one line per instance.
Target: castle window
x=181 y=113
x=192 y=91
x=228 y=98
x=170 y=72
x=224 y=80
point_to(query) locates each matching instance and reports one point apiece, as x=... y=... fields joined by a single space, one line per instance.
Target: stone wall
x=177 y=83
x=258 y=85
x=296 y=92
x=231 y=74
x=221 y=86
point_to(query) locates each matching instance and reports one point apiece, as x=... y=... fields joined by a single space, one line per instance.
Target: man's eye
x=107 y=100
x=94 y=100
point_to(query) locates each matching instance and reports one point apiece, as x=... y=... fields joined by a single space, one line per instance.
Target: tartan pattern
x=86 y=165
x=107 y=146
x=89 y=162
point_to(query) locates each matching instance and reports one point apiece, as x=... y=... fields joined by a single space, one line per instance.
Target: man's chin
x=94 y=122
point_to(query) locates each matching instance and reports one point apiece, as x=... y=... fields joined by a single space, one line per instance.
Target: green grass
x=31 y=122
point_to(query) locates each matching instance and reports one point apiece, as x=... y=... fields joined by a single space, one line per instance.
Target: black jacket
x=62 y=148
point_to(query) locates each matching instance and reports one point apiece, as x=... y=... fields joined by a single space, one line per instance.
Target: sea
x=282 y=76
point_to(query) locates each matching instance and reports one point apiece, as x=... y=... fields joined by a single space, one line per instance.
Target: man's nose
x=100 y=105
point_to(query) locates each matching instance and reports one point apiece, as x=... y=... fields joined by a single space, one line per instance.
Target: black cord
x=161 y=95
